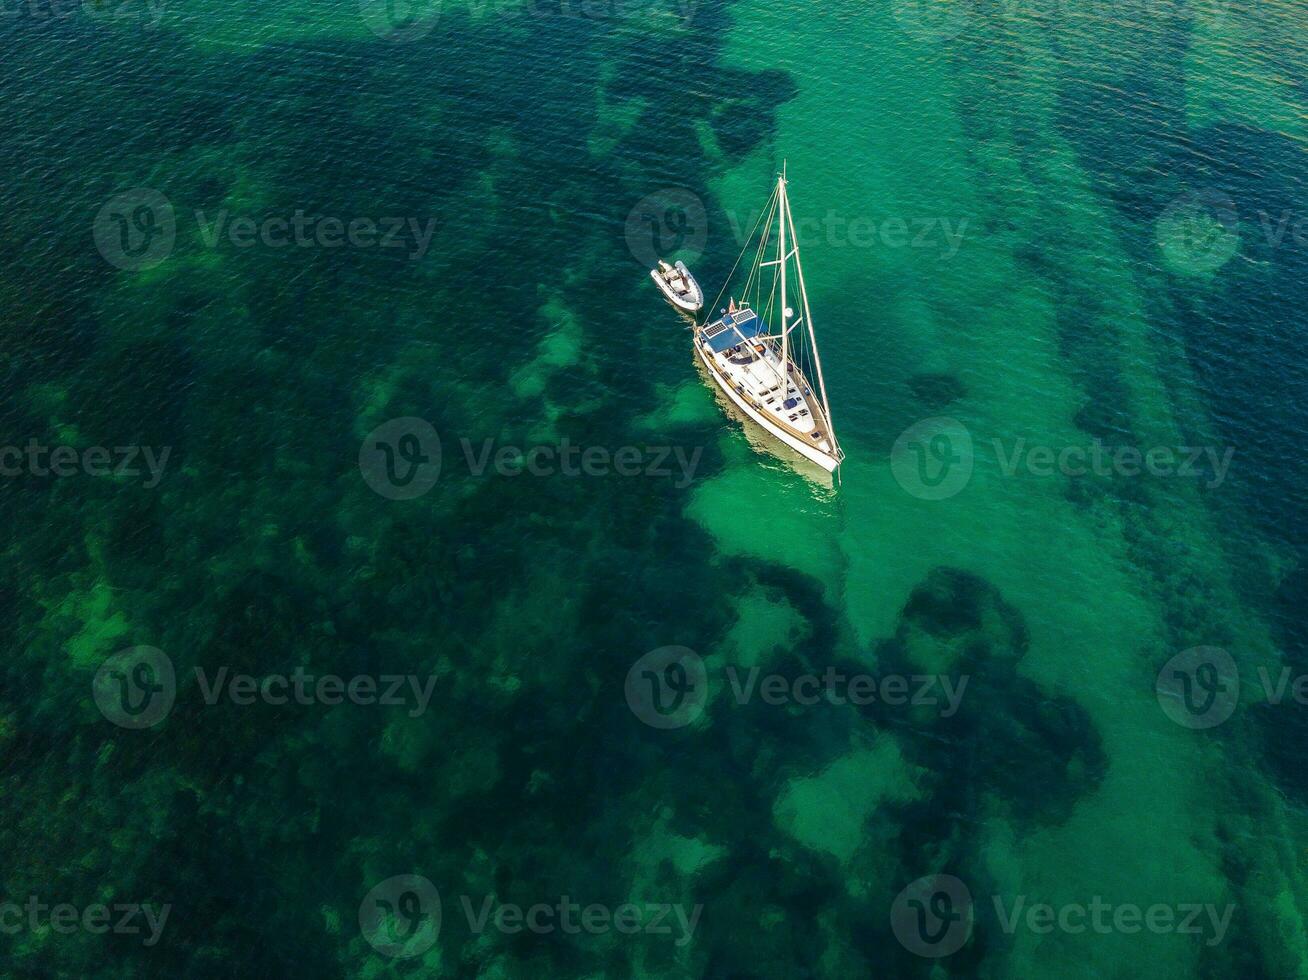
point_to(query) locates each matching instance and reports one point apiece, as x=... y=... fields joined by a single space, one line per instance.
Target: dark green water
x=1054 y=225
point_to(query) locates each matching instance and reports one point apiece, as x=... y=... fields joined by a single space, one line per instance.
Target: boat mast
x=817 y=360
x=782 y=210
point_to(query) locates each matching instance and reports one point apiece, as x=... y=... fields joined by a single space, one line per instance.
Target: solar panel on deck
x=730 y=331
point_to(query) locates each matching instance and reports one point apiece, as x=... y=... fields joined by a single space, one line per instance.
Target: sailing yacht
x=766 y=372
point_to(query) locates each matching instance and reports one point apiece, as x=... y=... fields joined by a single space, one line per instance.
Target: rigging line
x=763 y=242
x=756 y=265
x=772 y=292
x=764 y=309
x=764 y=239
x=769 y=308
x=772 y=297
x=755 y=280
x=799 y=344
x=726 y=282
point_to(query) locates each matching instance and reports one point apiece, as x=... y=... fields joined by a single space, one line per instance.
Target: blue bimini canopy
x=733 y=329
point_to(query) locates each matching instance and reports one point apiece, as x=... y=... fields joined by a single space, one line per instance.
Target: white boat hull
x=812 y=453
x=692 y=302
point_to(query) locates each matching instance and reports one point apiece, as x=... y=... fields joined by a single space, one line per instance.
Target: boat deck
x=757 y=378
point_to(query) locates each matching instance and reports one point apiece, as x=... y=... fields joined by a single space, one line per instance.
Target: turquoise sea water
x=251 y=245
